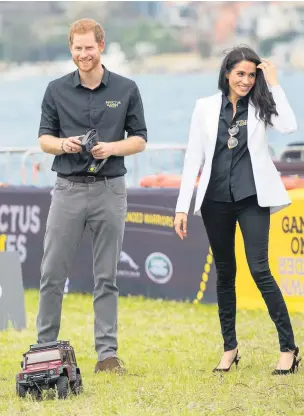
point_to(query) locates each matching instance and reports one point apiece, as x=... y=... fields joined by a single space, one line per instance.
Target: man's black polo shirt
x=231 y=175
x=113 y=108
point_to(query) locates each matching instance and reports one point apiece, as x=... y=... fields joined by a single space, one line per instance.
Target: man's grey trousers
x=102 y=207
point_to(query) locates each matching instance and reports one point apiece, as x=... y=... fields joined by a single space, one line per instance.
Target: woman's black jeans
x=220 y=220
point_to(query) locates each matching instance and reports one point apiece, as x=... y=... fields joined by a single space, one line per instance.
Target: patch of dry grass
x=170 y=349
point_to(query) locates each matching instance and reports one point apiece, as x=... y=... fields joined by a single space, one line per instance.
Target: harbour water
x=168 y=102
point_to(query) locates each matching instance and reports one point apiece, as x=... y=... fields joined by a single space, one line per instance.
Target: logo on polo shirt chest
x=241 y=123
x=113 y=104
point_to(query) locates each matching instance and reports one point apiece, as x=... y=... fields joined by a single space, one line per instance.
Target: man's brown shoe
x=112 y=364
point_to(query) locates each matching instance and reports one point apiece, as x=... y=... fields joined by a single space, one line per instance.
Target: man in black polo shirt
x=91 y=97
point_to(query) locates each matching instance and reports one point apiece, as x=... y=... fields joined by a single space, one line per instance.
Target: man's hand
x=180 y=224
x=102 y=150
x=72 y=145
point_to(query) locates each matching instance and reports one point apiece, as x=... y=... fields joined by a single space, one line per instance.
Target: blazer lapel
x=252 y=121
x=212 y=117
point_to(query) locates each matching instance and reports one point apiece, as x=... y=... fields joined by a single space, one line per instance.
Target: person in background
x=92 y=97
x=239 y=184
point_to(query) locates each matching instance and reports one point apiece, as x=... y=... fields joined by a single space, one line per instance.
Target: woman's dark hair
x=260 y=95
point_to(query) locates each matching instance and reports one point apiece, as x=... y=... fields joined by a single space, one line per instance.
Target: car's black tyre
x=76 y=386
x=62 y=385
x=21 y=390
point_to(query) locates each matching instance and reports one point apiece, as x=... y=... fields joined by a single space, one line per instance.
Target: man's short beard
x=93 y=62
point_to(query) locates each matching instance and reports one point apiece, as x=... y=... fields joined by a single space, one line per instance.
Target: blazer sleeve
x=194 y=157
x=285 y=122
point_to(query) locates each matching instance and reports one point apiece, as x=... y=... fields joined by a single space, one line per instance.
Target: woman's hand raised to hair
x=180 y=224
x=269 y=71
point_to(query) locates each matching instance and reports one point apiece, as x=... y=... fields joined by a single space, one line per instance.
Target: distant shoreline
x=177 y=63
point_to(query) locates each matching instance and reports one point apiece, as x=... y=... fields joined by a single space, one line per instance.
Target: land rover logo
x=159 y=268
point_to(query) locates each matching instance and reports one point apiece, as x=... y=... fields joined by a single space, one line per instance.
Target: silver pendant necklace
x=232 y=141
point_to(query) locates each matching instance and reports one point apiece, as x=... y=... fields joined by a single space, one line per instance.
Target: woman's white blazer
x=202 y=140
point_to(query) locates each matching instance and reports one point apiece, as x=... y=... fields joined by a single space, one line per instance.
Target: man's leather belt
x=82 y=179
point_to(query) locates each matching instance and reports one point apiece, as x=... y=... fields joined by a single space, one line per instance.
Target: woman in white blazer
x=239 y=183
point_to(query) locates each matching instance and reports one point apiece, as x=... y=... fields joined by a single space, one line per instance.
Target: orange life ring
x=174 y=181
x=162 y=181
x=292 y=182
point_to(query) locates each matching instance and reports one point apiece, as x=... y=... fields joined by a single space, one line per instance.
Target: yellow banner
x=286 y=256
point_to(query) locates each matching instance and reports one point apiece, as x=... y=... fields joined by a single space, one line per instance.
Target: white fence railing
x=31 y=166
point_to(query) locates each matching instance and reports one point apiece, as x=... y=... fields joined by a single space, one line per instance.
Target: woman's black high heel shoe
x=293 y=368
x=225 y=370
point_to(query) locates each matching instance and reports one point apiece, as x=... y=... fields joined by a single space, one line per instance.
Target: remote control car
x=48 y=366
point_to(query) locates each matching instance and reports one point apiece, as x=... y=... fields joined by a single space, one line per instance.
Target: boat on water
x=114 y=59
x=293 y=152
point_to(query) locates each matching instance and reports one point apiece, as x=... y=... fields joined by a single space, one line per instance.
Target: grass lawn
x=170 y=350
